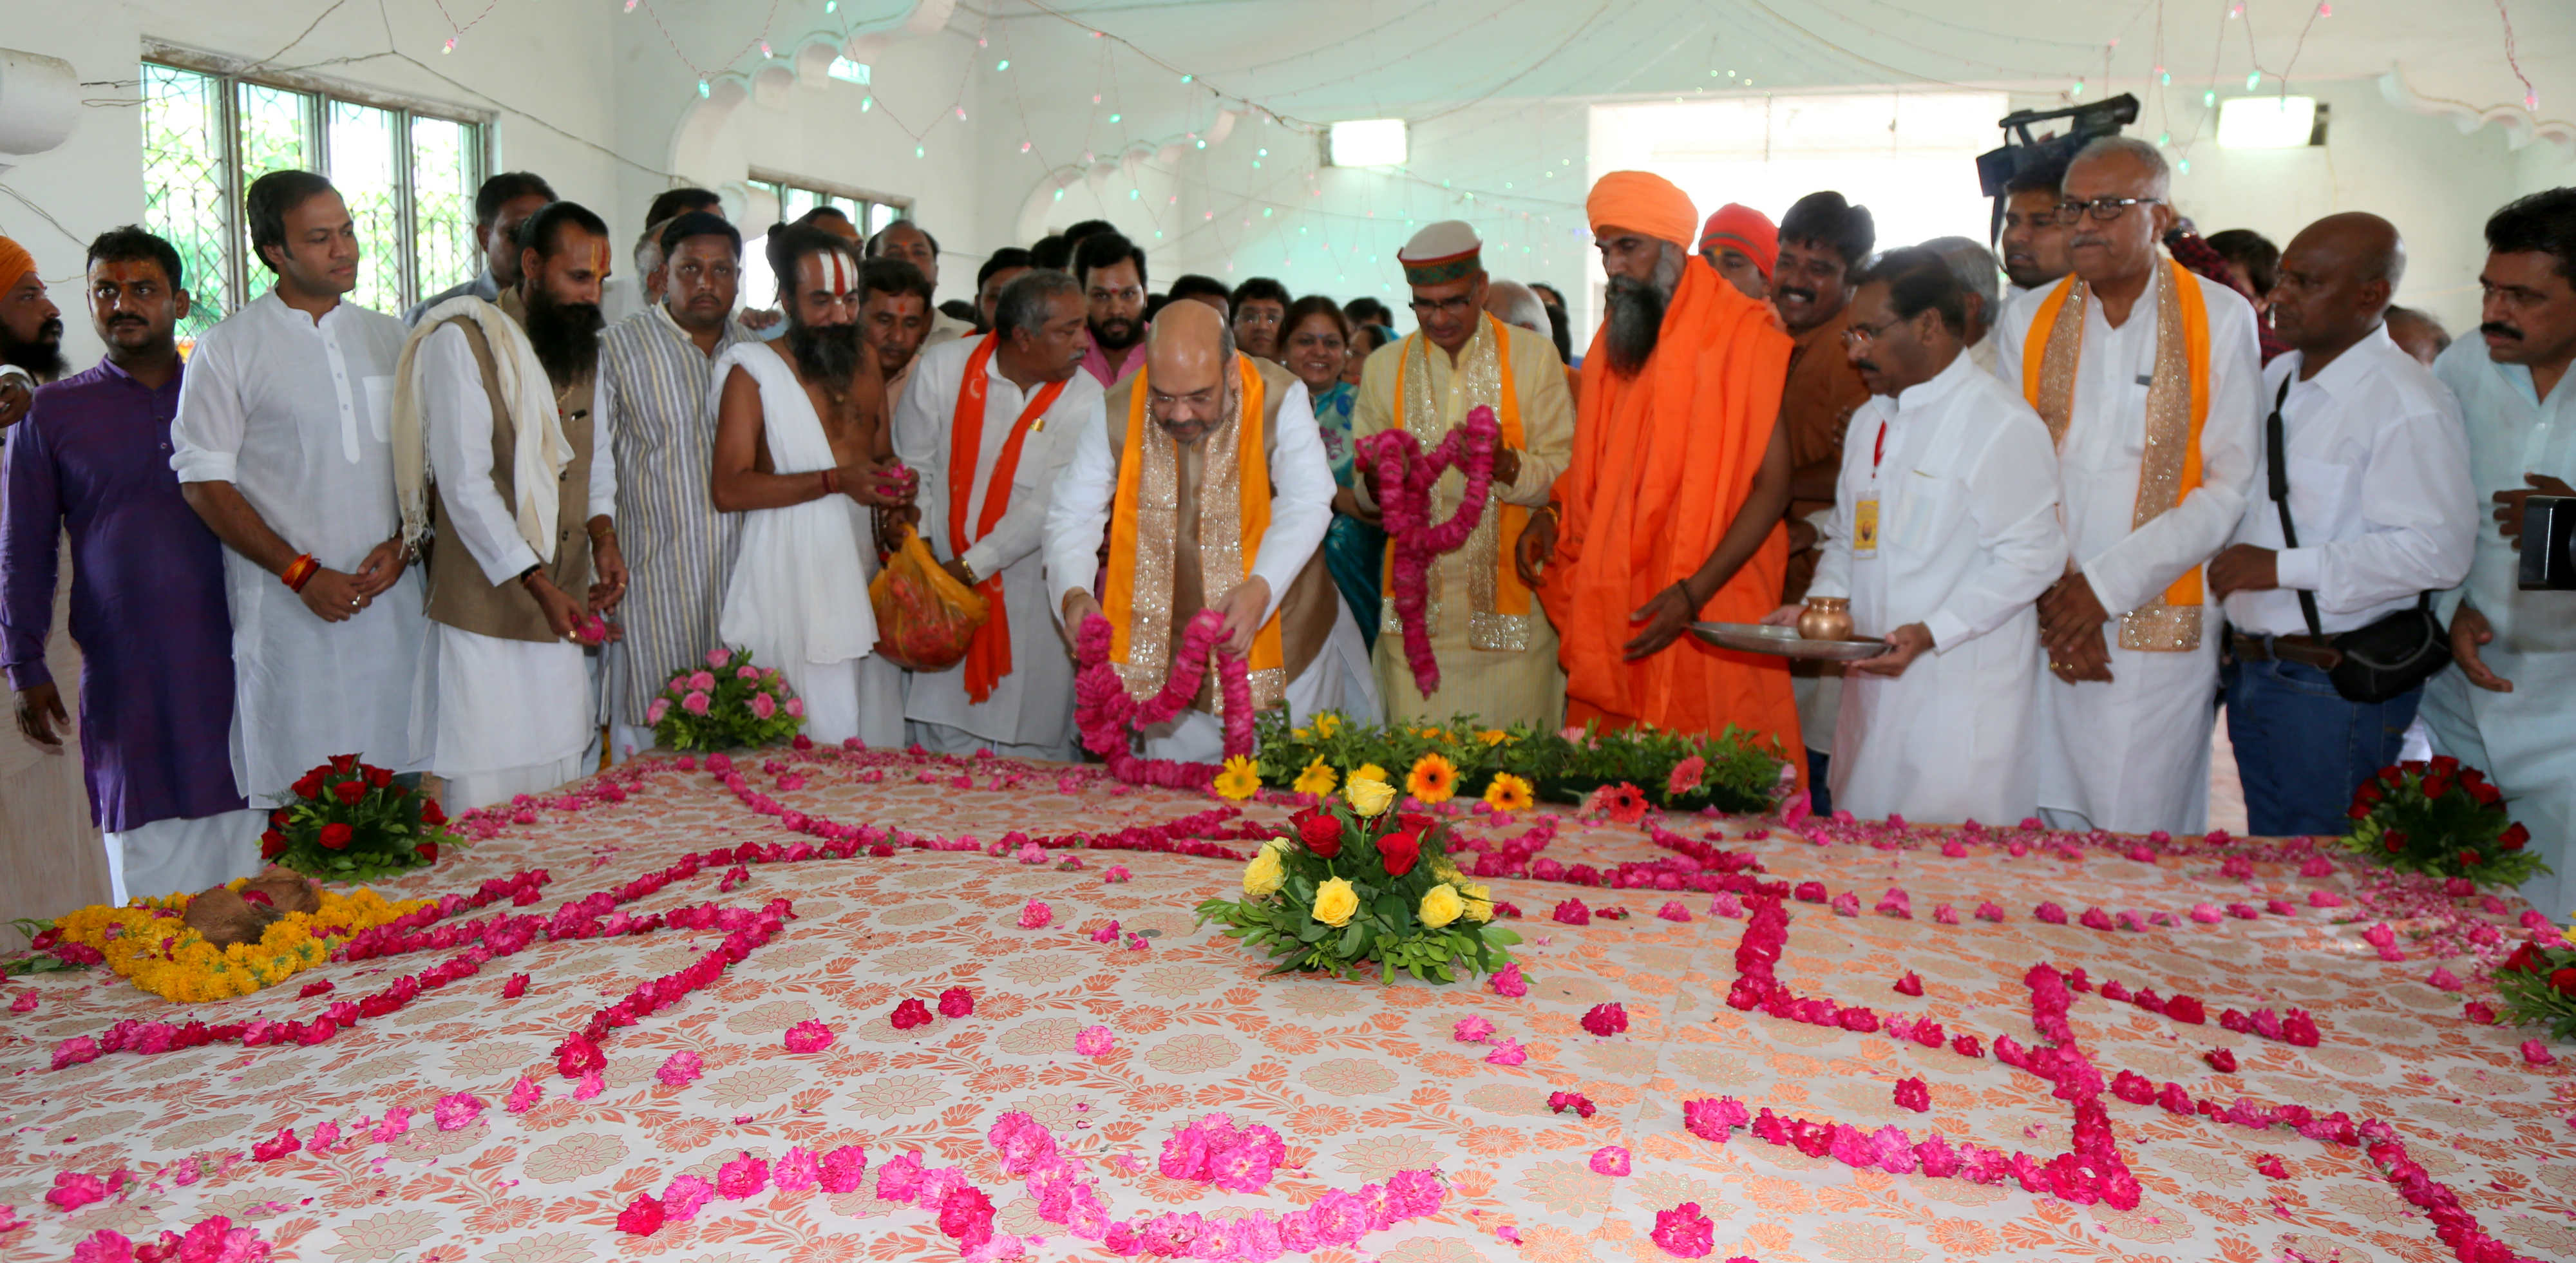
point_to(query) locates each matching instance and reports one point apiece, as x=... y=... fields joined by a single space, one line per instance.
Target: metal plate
x=1785 y=642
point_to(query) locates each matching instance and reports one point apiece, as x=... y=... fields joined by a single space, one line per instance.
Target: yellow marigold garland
x=147 y=942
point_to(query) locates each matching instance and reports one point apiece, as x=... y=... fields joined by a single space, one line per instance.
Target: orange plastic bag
x=926 y=619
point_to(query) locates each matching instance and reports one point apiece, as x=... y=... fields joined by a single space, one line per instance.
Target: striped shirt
x=654 y=396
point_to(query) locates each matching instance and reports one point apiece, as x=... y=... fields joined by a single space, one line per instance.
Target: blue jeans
x=2301 y=749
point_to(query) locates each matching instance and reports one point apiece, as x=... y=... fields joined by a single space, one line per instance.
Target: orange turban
x=1743 y=228
x=1641 y=201
x=15 y=264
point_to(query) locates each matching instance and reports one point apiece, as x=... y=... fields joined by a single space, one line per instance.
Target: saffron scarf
x=988 y=656
x=1234 y=511
x=2177 y=405
x=1498 y=603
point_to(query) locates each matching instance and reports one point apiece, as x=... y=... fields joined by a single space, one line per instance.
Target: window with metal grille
x=408 y=174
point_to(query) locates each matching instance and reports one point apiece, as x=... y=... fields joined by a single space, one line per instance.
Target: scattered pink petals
x=2479 y=1011
x=1914 y=1094
x=2222 y=1060
x=1560 y=1102
x=1507 y=1052
x=911 y=1013
x=642 y=1217
x=591 y=1085
x=1846 y=904
x=1909 y=984
x=1105 y=934
x=24 y=1001
x=517 y=986
x=1610 y=1160
x=1094 y=1041
x=2536 y=1053
x=1572 y=912
x=524 y=1096
x=73 y=1190
x=457 y=1111
x=680 y=1069
x=956 y=1002
x=2270 y=1164
x=687 y=1193
x=1684 y=1232
x=1034 y=915
x=2445 y=980
x=1673 y=911
x=1606 y=1020
x=1508 y=982
x=1472 y=1030
x=808 y=1036
x=1115 y=874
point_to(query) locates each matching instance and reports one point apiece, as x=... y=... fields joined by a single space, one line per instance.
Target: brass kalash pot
x=1826 y=618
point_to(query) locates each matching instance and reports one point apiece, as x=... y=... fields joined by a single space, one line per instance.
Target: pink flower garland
x=1405 y=474
x=1108 y=715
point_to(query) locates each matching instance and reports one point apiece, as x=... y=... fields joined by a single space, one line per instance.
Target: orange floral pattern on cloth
x=1360 y=1080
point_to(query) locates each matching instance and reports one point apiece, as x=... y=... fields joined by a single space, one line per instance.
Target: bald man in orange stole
x=1671 y=511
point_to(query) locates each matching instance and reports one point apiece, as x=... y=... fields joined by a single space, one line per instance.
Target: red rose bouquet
x=1355 y=883
x=2441 y=818
x=350 y=821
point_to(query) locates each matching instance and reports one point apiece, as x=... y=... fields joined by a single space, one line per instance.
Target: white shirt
x=1033 y=705
x=2379 y=491
x=456 y=423
x=2512 y=433
x=1966 y=498
x=294 y=414
x=1301 y=505
x=2105 y=443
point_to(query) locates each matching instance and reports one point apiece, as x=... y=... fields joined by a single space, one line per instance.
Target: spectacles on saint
x=1457 y=306
x=2102 y=209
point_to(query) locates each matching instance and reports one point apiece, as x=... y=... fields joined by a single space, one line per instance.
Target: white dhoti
x=798 y=598
x=2131 y=756
x=183 y=855
x=513 y=717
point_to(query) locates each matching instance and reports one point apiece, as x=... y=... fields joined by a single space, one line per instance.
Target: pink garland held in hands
x=1405 y=474
x=1108 y=716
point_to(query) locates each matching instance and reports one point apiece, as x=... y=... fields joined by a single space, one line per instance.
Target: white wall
x=546 y=57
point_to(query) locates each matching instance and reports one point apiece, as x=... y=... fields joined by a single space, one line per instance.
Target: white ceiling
x=1329 y=59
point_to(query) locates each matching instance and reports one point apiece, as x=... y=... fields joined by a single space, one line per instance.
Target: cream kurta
x=1966 y=489
x=1521 y=683
x=2132 y=755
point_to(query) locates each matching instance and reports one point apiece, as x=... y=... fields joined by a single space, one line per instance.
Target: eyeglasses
x=2103 y=209
x=1261 y=316
x=1452 y=307
x=1863 y=335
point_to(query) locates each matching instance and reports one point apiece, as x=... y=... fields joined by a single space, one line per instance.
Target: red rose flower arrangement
x=350 y=821
x=2443 y=818
x=2538 y=984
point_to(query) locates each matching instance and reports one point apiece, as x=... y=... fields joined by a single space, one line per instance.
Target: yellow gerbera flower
x=1433 y=779
x=1239 y=780
x=1509 y=793
x=1316 y=779
x=1301 y=734
x=1327 y=724
x=1493 y=736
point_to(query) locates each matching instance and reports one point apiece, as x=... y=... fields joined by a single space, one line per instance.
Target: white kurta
x=798 y=596
x=1033 y=705
x=513 y=715
x=1968 y=538
x=2525 y=739
x=2133 y=755
x=294 y=414
x=2379 y=489
x=1301 y=507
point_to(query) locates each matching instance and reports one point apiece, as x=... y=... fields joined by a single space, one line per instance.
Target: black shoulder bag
x=2386 y=659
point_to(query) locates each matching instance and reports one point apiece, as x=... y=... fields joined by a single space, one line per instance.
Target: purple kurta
x=156 y=698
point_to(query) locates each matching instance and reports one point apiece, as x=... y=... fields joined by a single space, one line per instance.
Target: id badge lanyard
x=1865 y=513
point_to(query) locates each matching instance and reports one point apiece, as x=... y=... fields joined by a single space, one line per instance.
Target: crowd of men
x=2080 y=490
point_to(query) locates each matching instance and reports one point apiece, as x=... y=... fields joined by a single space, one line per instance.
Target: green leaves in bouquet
x=732 y=720
x=1737 y=776
x=1384 y=925
x=348 y=821
x=2531 y=996
x=2444 y=819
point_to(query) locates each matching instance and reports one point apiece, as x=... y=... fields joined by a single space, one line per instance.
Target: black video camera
x=2021 y=152
x=2548 y=523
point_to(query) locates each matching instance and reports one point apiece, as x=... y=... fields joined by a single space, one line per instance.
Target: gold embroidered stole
x=2177 y=404
x=1498 y=603
x=1154 y=572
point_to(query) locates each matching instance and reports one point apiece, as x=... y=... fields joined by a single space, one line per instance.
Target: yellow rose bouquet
x=1356 y=884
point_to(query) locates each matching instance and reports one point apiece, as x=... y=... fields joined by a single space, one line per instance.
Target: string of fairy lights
x=1281 y=183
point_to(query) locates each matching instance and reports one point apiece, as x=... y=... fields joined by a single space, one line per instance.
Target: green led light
x=920 y=151
x=1113 y=118
x=1003 y=64
x=702 y=87
x=2209 y=98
